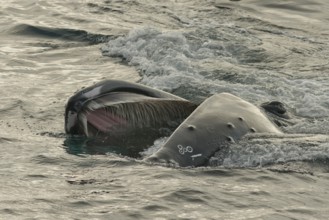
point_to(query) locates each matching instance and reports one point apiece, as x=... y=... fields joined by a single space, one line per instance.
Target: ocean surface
x=259 y=50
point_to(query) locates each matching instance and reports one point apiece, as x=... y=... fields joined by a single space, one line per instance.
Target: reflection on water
x=77 y=145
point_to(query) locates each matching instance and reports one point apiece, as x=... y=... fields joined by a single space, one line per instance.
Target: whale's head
x=115 y=107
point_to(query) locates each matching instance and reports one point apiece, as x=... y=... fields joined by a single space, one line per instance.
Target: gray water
x=259 y=50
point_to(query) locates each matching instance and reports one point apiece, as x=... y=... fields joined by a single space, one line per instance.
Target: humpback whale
x=132 y=116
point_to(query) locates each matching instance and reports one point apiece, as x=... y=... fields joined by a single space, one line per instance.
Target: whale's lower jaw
x=218 y=122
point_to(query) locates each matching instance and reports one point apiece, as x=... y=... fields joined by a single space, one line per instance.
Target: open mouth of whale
x=124 y=118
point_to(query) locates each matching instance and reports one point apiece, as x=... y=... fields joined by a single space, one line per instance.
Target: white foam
x=208 y=61
x=153 y=149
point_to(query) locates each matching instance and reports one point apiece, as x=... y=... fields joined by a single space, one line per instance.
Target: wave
x=63 y=34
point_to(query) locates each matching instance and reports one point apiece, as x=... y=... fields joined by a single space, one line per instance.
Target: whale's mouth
x=127 y=114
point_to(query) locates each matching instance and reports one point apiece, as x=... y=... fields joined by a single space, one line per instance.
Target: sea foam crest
x=164 y=55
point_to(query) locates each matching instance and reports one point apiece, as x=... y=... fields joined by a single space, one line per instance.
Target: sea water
x=258 y=50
